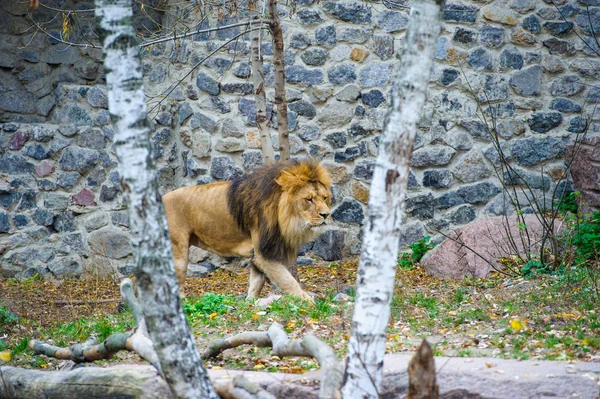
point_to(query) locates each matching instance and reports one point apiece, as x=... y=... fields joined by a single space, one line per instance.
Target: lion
x=265 y=216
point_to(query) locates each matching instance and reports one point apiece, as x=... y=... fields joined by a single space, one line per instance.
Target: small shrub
x=586 y=239
x=419 y=249
x=7 y=318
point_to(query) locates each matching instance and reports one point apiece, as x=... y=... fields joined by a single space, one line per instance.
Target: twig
x=85 y=301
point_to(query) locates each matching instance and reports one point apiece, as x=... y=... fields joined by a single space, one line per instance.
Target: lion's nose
x=324 y=215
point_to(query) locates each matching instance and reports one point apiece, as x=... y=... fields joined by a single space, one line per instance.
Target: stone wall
x=523 y=69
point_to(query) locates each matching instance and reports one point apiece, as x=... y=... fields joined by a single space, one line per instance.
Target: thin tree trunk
x=278 y=64
x=377 y=265
x=155 y=274
x=261 y=99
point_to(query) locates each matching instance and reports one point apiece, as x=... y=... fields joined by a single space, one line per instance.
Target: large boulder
x=585 y=171
x=475 y=250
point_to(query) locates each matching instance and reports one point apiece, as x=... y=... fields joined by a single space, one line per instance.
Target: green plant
x=418 y=250
x=586 y=239
x=7 y=318
x=568 y=203
x=208 y=305
x=533 y=267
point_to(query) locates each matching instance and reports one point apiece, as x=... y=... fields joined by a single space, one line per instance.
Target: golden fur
x=265 y=216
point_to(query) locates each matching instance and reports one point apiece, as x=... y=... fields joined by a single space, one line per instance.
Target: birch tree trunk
x=278 y=66
x=377 y=265
x=155 y=274
x=262 y=121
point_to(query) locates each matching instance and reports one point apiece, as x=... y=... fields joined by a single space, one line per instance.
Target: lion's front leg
x=257 y=281
x=279 y=275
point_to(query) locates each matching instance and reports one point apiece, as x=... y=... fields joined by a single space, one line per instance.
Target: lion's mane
x=257 y=203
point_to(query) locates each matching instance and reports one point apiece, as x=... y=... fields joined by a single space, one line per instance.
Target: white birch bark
x=155 y=274
x=262 y=121
x=377 y=265
x=278 y=66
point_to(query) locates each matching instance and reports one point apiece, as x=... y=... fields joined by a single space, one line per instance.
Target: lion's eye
x=309 y=199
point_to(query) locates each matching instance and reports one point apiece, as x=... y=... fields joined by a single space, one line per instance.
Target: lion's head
x=287 y=202
x=305 y=199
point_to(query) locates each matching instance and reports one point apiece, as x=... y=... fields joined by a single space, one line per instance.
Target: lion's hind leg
x=181 y=253
x=257 y=281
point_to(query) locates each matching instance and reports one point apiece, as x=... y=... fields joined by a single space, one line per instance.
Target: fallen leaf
x=5 y=356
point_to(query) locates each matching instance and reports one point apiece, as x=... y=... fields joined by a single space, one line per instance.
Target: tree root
x=282 y=346
x=136 y=341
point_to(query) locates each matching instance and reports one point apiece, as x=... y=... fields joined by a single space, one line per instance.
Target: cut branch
x=309 y=346
x=136 y=341
x=421 y=374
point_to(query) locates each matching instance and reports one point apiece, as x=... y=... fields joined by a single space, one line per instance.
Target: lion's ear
x=289 y=181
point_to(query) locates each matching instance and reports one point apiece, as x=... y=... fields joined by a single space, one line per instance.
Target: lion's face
x=312 y=204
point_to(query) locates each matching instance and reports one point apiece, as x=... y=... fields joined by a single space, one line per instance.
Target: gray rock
x=36 y=151
x=449 y=76
x=92 y=138
x=559 y=29
x=471 y=167
x=64 y=222
x=232 y=128
x=542 y=122
x=523 y=6
x=350 y=153
x=391 y=21
x=383 y=46
x=336 y=139
x=374 y=74
x=230 y=144
x=566 y=86
x=207 y=83
x=527 y=82
x=315 y=56
x=110 y=242
x=517 y=176
x=349 y=211
x=325 y=36
x=533 y=150
x=477 y=193
x=309 y=132
x=349 y=93
x=554 y=64
x=335 y=114
x=436 y=178
x=421 y=206
x=463 y=214
x=4 y=223
x=355 y=35
x=78 y=159
x=252 y=159
x=491 y=36
x=588 y=20
x=203 y=121
x=67 y=266
x=73 y=113
x=96 y=221
x=432 y=156
x=243 y=70
x=495 y=88
x=96 y=178
x=364 y=170
x=460 y=13
x=556 y=46
x=42 y=133
x=465 y=36
x=511 y=57
x=218 y=64
x=509 y=128
x=480 y=59
x=330 y=245
x=303 y=108
x=223 y=168
x=309 y=16
x=373 y=98
x=43 y=217
x=349 y=11
x=185 y=111
x=300 y=41
x=67 y=180
x=108 y=193
x=341 y=74
x=97 y=98
x=239 y=88
x=300 y=74
x=564 y=105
